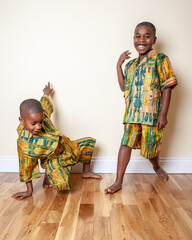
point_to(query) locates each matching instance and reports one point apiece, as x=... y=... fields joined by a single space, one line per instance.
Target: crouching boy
x=39 y=139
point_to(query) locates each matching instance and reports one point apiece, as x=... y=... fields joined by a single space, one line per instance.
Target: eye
x=137 y=36
x=147 y=37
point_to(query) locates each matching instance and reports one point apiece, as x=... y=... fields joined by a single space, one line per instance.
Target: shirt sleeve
x=46 y=105
x=32 y=149
x=166 y=74
x=28 y=167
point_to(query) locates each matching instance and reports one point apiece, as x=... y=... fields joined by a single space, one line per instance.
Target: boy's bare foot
x=113 y=188
x=91 y=175
x=161 y=173
x=46 y=182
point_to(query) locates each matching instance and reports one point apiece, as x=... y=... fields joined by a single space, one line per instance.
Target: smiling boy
x=147 y=83
x=40 y=140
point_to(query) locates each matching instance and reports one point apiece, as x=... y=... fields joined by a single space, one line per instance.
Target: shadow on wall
x=55 y=118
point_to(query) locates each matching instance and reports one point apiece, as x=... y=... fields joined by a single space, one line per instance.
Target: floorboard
x=145 y=209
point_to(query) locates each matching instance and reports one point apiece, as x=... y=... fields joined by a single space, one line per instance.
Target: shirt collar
x=149 y=55
x=22 y=132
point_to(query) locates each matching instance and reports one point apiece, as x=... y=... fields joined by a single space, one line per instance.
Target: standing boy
x=39 y=139
x=147 y=83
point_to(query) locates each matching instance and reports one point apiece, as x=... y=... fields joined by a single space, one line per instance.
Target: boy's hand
x=161 y=122
x=22 y=195
x=47 y=90
x=123 y=57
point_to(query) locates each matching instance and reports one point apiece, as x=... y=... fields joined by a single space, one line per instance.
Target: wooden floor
x=146 y=208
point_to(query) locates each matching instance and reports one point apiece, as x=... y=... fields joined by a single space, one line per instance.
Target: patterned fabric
x=58 y=168
x=56 y=152
x=144 y=84
x=144 y=137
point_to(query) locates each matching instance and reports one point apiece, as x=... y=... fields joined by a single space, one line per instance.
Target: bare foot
x=46 y=182
x=113 y=188
x=91 y=175
x=47 y=185
x=161 y=173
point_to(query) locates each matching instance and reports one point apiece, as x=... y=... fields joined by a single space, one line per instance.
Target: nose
x=142 y=39
x=38 y=126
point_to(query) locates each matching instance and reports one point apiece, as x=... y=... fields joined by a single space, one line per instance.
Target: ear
x=21 y=120
x=155 y=39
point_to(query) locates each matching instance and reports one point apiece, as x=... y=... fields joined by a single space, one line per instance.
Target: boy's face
x=143 y=40
x=32 y=122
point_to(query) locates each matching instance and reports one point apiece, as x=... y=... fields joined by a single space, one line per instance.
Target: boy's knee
x=59 y=178
x=125 y=148
x=62 y=186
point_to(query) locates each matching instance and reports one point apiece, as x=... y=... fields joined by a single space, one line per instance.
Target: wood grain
x=145 y=209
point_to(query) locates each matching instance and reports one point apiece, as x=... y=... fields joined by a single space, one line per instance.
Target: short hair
x=148 y=24
x=30 y=106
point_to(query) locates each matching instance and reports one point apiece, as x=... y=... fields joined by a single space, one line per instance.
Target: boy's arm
x=26 y=194
x=45 y=100
x=122 y=58
x=168 y=81
x=162 y=120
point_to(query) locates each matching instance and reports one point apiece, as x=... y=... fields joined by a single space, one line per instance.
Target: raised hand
x=125 y=55
x=47 y=90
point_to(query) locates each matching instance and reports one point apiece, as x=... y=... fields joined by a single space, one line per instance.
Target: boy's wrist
x=163 y=114
x=44 y=93
x=119 y=65
x=30 y=191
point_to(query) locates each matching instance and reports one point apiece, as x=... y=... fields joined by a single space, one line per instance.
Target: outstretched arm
x=162 y=120
x=122 y=58
x=45 y=100
x=26 y=194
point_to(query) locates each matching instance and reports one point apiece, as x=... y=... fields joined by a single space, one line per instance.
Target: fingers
x=125 y=55
x=47 y=89
x=17 y=195
x=157 y=126
x=21 y=195
x=160 y=125
x=48 y=86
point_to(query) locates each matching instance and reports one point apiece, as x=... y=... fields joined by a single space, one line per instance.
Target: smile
x=35 y=132
x=141 y=46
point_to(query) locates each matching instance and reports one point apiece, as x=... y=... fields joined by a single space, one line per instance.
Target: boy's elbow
x=122 y=88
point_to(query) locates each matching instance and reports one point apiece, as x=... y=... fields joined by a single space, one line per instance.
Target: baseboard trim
x=109 y=164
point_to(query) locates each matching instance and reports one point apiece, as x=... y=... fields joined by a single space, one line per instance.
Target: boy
x=38 y=139
x=147 y=85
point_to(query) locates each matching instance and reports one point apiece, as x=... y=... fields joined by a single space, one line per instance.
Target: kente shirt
x=47 y=144
x=143 y=87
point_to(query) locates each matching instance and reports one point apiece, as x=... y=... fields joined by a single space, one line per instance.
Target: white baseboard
x=109 y=164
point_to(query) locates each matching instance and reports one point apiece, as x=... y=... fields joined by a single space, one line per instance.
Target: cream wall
x=75 y=45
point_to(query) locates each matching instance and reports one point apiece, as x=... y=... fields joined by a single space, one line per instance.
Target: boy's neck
x=141 y=57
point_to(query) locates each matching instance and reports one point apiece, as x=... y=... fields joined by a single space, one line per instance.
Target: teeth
x=141 y=46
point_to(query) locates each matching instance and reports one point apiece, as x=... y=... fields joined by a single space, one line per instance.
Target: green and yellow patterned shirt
x=143 y=87
x=48 y=144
